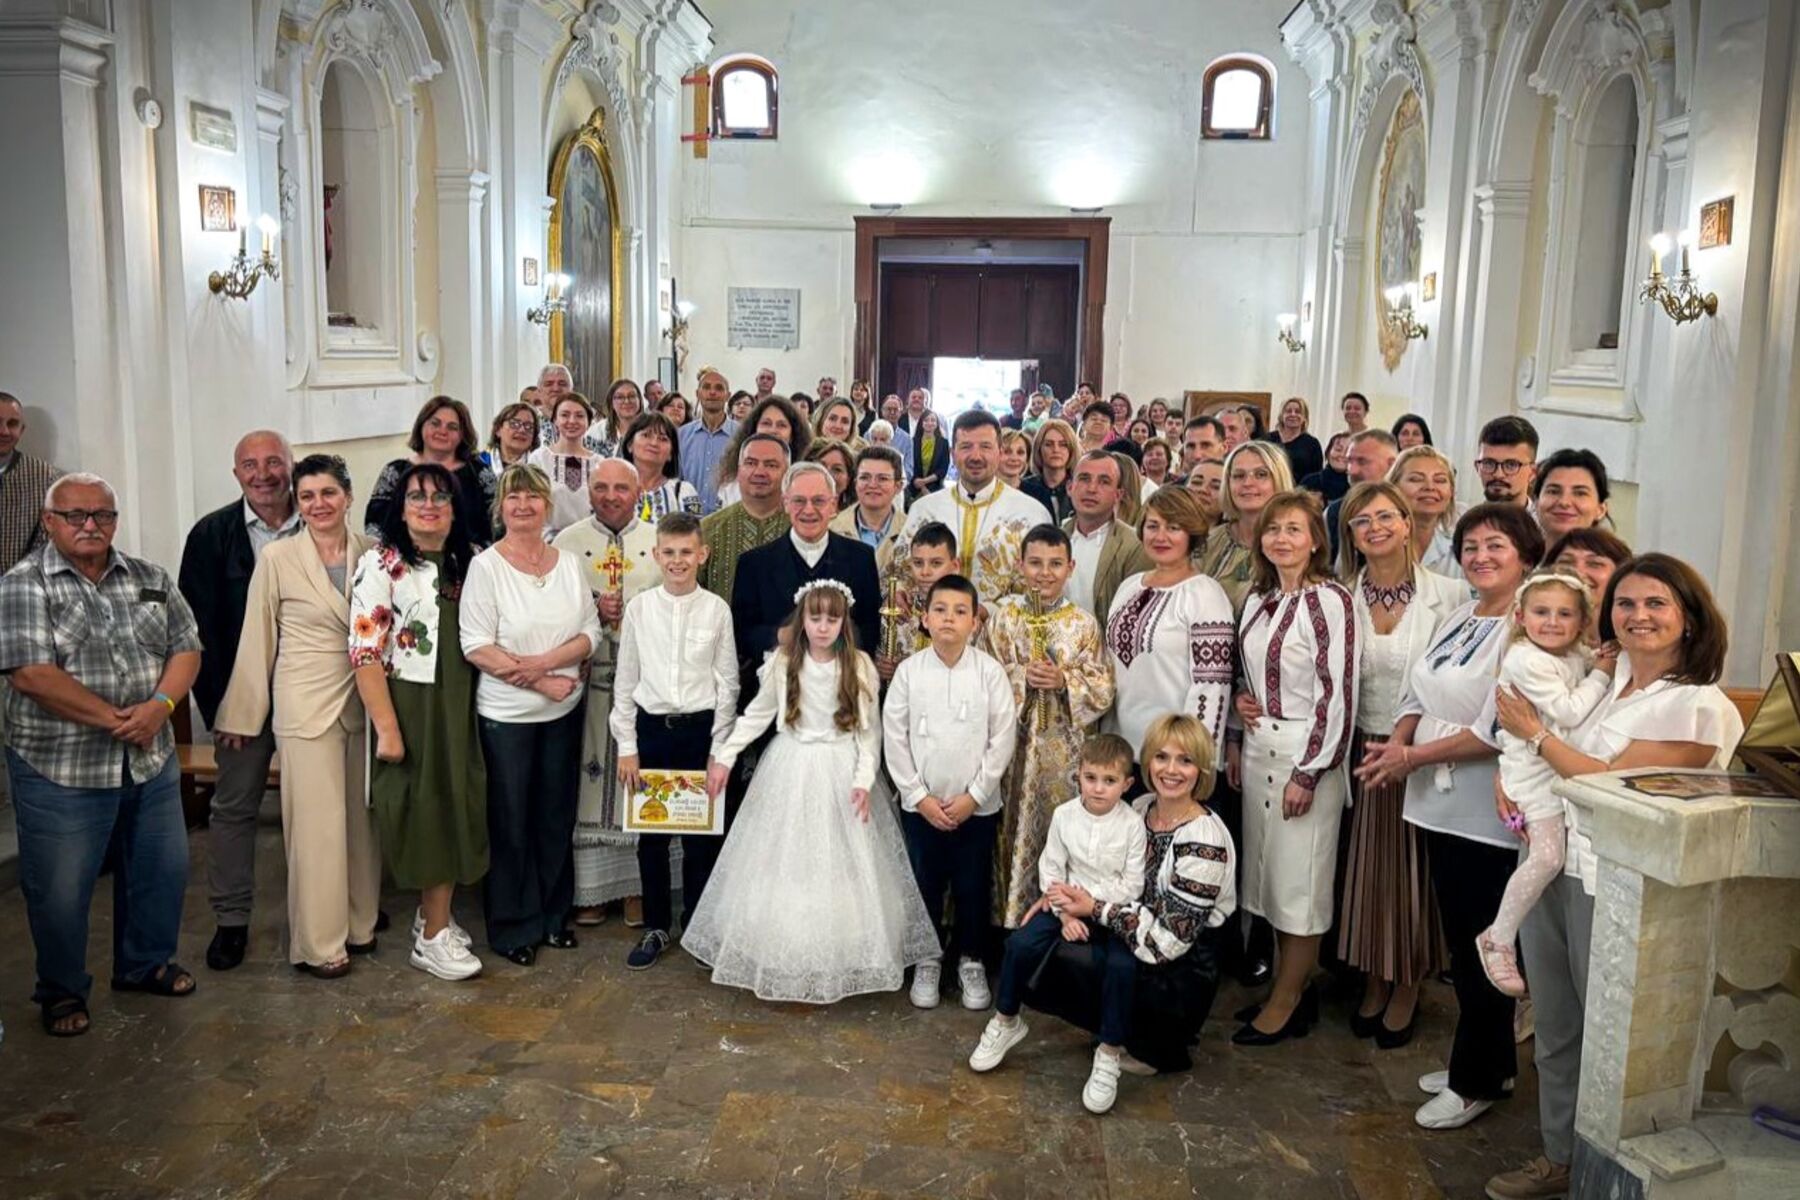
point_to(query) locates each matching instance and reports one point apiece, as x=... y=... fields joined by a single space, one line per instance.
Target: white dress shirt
x=676 y=655
x=262 y=534
x=1085 y=549
x=950 y=729
x=1103 y=854
x=812 y=552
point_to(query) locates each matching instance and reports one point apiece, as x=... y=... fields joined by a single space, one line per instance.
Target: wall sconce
x=241 y=276
x=1401 y=318
x=1681 y=299
x=1286 y=337
x=885 y=210
x=555 y=284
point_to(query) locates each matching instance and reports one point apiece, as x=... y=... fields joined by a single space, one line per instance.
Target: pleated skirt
x=1389 y=924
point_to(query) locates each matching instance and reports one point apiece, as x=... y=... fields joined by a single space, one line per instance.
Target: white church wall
x=998 y=111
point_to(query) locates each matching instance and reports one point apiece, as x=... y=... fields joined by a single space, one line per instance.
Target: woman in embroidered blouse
x=442 y=433
x=1174 y=928
x=1169 y=631
x=1665 y=710
x=651 y=446
x=428 y=785
x=527 y=622
x=1297 y=639
x=1428 y=481
x=1052 y=463
x=1254 y=473
x=623 y=404
x=567 y=462
x=1443 y=749
x=1388 y=924
x=513 y=435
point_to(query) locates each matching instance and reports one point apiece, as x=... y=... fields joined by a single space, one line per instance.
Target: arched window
x=744 y=98
x=1237 y=98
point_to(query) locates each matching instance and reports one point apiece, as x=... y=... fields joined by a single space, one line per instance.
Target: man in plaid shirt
x=99 y=647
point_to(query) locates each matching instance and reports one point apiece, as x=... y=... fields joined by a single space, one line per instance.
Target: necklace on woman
x=533 y=568
x=1387 y=598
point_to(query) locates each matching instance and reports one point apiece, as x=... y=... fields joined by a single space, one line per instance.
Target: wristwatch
x=1537 y=742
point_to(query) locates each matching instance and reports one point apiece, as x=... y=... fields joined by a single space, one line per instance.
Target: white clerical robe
x=990 y=529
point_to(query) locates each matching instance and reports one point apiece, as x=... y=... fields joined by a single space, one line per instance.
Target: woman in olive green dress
x=428 y=783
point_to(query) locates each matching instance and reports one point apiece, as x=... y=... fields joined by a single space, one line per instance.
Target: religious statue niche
x=585 y=238
x=1397 y=213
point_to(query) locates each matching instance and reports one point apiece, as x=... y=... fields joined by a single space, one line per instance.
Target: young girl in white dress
x=1546 y=663
x=813 y=898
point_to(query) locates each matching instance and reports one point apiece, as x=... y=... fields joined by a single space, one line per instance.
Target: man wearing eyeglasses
x=216 y=564
x=100 y=648
x=1506 y=460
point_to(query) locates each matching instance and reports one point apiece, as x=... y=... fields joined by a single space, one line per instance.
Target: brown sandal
x=336 y=970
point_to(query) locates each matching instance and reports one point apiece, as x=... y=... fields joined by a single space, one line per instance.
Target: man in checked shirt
x=100 y=648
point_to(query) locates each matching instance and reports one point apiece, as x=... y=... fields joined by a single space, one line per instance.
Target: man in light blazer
x=1106 y=550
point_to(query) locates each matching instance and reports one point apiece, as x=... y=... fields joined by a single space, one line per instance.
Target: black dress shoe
x=1297 y=1027
x=562 y=939
x=367 y=947
x=381 y=920
x=228 y=946
x=1393 y=1039
x=1247 y=1013
x=524 y=956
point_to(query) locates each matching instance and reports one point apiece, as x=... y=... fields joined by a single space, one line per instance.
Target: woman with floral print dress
x=428 y=782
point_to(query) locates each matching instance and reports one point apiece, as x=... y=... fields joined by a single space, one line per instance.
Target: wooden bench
x=200 y=769
x=1746 y=700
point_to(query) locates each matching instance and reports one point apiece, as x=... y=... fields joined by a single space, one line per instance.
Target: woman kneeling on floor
x=1145 y=1022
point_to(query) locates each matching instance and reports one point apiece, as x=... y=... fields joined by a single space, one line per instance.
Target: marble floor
x=578 y=1078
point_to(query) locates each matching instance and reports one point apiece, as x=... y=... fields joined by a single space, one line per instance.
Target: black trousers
x=533 y=791
x=1032 y=943
x=963 y=861
x=680 y=742
x=1469 y=878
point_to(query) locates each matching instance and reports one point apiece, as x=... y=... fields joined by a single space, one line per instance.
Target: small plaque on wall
x=762 y=318
x=1715 y=223
x=531 y=272
x=212 y=127
x=218 y=209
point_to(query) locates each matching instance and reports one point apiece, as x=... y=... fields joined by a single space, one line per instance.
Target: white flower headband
x=1578 y=586
x=844 y=588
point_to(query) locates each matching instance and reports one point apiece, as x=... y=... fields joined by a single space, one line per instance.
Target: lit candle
x=1659 y=249
x=1286 y=321
x=1686 y=238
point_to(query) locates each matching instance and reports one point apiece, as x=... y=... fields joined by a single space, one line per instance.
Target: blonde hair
x=1305 y=412
x=1549 y=578
x=520 y=477
x=1190 y=737
x=1273 y=457
x=1177 y=507
x=1131 y=489
x=1063 y=430
x=1447 y=520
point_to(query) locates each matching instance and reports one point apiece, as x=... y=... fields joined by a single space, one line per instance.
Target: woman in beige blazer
x=292 y=664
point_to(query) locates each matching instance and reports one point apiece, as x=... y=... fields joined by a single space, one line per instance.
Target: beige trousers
x=333 y=858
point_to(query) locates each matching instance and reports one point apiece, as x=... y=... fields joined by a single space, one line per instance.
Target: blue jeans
x=65 y=835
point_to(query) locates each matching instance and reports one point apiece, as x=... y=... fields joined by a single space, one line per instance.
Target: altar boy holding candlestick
x=674 y=696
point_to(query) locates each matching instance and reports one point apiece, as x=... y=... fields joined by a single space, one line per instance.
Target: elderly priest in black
x=768 y=576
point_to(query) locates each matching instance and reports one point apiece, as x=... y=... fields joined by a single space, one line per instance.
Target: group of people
x=1155 y=706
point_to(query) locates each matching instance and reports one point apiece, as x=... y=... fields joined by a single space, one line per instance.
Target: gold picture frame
x=590 y=140
x=1397 y=234
x=218 y=209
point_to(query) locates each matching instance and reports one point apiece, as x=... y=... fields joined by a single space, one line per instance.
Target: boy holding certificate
x=674 y=695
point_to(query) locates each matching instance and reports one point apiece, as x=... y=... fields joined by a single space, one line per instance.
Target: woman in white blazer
x=1388 y=923
x=292 y=671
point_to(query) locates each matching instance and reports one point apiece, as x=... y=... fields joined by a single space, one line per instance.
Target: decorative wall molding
x=598 y=52
x=1394 y=52
x=387 y=36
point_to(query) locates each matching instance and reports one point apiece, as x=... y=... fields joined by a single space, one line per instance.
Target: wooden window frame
x=1264 y=129
x=771 y=82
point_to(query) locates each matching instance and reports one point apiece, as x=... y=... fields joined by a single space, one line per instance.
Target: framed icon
x=218 y=209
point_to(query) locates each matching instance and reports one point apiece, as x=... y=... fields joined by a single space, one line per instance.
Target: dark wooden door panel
x=1004 y=299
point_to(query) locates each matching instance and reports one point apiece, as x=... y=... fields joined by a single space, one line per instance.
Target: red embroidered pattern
x=1272 y=655
x=1321 y=631
x=1132 y=631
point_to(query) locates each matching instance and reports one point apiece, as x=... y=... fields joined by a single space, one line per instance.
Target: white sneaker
x=1000 y=1036
x=972 y=977
x=924 y=992
x=1447 y=1110
x=456 y=931
x=1102 y=1084
x=445 y=956
x=1433 y=1082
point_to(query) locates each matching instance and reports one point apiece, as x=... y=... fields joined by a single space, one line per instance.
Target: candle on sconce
x=1686 y=238
x=241 y=232
x=1659 y=250
x=1411 y=292
x=1286 y=321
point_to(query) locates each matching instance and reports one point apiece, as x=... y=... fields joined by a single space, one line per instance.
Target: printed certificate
x=673 y=802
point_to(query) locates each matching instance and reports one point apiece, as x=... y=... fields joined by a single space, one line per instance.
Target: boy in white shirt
x=1098 y=843
x=674 y=696
x=949 y=726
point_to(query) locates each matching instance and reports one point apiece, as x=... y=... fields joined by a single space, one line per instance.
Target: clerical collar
x=987 y=492
x=812 y=552
x=621 y=531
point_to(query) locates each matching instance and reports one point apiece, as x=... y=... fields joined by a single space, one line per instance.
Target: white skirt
x=1289 y=865
x=807 y=903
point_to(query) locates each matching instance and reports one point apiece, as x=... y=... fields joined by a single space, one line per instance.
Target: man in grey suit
x=1106 y=550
